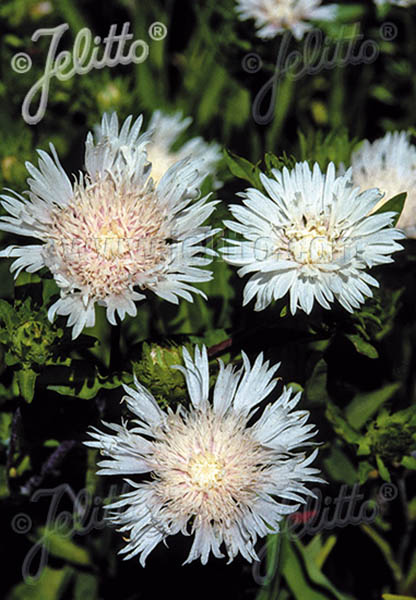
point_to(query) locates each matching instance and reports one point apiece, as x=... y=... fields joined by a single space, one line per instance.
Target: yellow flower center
x=111 y=241
x=205 y=471
x=283 y=10
x=311 y=249
x=311 y=243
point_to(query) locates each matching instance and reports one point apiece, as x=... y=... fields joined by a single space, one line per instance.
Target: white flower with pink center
x=112 y=234
x=212 y=475
x=273 y=17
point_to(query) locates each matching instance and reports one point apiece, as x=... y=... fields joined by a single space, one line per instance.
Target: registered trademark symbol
x=388 y=31
x=158 y=31
x=388 y=491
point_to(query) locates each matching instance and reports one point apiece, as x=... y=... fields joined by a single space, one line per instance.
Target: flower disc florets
x=212 y=474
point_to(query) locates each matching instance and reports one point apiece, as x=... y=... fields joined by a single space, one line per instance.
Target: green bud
x=27 y=336
x=155 y=372
x=393 y=436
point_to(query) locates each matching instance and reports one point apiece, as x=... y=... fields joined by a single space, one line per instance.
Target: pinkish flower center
x=108 y=238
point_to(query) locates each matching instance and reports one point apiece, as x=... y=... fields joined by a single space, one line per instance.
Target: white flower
x=389 y=164
x=112 y=230
x=310 y=236
x=212 y=475
x=402 y=3
x=164 y=132
x=273 y=17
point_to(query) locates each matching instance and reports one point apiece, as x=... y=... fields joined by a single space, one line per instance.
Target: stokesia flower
x=389 y=164
x=164 y=132
x=402 y=3
x=310 y=234
x=211 y=475
x=112 y=232
x=273 y=17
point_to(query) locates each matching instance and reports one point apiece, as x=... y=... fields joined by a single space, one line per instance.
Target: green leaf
x=49 y=289
x=237 y=108
x=7 y=315
x=395 y=204
x=208 y=106
x=51 y=443
x=303 y=575
x=80 y=379
x=5 y=423
x=26 y=379
x=278 y=162
x=367 y=404
x=383 y=10
x=339 y=467
x=272 y=572
x=364 y=446
x=411 y=572
x=341 y=426
x=243 y=169
x=395 y=597
x=26 y=278
x=385 y=550
x=364 y=470
x=91 y=477
x=382 y=469
x=23 y=466
x=315 y=387
x=316 y=146
x=61 y=545
x=320 y=551
x=362 y=346
x=350 y=12
x=4 y=486
x=10 y=359
x=86 y=586
x=409 y=462
x=50 y=586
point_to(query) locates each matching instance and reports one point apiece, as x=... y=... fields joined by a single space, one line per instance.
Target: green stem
x=72 y=15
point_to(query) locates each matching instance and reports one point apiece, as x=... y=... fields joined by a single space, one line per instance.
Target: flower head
x=402 y=3
x=212 y=475
x=389 y=164
x=310 y=235
x=112 y=230
x=164 y=132
x=273 y=17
